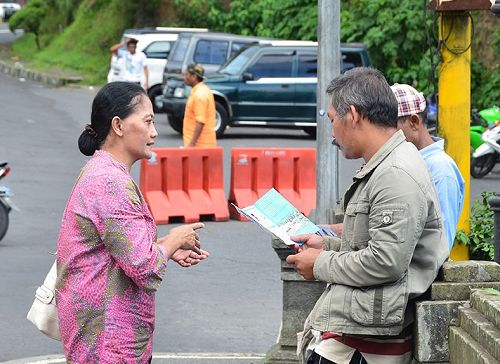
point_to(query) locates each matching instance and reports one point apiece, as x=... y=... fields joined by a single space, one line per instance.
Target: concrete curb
x=160 y=358
x=19 y=71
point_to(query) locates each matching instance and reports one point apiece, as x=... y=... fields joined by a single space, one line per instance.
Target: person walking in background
x=392 y=244
x=444 y=171
x=199 y=117
x=110 y=261
x=133 y=62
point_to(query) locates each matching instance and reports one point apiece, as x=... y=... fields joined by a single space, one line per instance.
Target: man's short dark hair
x=368 y=91
x=132 y=41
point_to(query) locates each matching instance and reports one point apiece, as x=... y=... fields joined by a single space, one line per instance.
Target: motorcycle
x=480 y=121
x=6 y=204
x=487 y=154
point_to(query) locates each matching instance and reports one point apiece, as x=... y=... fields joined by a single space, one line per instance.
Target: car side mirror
x=247 y=76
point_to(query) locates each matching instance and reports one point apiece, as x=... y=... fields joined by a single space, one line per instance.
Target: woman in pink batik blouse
x=109 y=259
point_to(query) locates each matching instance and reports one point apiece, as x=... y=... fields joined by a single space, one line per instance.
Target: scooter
x=480 y=121
x=6 y=204
x=487 y=154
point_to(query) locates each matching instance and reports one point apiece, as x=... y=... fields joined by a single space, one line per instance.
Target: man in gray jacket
x=392 y=244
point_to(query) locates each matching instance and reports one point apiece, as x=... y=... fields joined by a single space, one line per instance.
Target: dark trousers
x=315 y=358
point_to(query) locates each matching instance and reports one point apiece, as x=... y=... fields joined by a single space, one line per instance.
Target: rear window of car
x=351 y=60
x=211 y=51
x=159 y=49
x=272 y=65
x=180 y=47
x=308 y=65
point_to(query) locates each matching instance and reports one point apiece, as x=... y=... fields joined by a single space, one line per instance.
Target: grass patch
x=82 y=47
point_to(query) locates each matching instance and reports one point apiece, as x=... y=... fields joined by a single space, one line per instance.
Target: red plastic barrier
x=184 y=183
x=291 y=171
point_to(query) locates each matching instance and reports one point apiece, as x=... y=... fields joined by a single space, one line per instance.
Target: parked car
x=211 y=49
x=270 y=83
x=156 y=43
x=8 y=9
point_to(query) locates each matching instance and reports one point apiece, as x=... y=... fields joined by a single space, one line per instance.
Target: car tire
x=221 y=119
x=311 y=130
x=480 y=167
x=176 y=124
x=152 y=93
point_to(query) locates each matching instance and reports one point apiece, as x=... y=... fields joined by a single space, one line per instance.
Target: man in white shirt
x=134 y=62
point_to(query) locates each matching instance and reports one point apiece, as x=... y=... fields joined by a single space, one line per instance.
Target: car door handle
x=285 y=85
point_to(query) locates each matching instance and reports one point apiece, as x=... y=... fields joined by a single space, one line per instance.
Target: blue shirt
x=449 y=185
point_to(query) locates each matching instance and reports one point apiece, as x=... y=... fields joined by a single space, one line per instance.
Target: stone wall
x=450 y=327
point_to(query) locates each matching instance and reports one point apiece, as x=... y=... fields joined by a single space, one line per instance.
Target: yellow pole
x=454 y=104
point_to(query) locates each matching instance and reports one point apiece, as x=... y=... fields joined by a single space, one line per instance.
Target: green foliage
x=485 y=85
x=61 y=13
x=79 y=32
x=480 y=239
x=292 y=19
x=200 y=14
x=30 y=18
x=394 y=32
x=83 y=46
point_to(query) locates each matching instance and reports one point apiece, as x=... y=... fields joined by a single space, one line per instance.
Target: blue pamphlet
x=276 y=214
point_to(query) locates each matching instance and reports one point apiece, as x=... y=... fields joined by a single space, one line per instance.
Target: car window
x=308 y=65
x=351 y=60
x=236 y=47
x=234 y=65
x=211 y=51
x=177 y=54
x=159 y=49
x=272 y=65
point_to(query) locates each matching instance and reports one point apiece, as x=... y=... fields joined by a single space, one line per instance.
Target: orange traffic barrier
x=291 y=171
x=184 y=183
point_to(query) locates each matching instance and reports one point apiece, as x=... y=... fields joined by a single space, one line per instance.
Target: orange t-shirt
x=200 y=107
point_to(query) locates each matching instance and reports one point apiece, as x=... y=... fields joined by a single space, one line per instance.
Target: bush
x=480 y=238
x=30 y=18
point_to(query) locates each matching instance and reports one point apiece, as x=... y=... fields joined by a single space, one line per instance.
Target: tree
x=30 y=18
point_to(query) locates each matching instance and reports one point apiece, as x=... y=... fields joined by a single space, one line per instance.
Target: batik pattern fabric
x=108 y=268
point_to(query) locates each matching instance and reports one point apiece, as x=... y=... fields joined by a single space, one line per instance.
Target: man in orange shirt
x=199 y=118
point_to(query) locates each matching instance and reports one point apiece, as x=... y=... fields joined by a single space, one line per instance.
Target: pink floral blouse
x=108 y=268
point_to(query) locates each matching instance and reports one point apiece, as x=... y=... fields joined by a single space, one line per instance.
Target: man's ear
x=116 y=126
x=414 y=122
x=356 y=116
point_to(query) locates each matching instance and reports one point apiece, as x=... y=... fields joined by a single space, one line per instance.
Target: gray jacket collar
x=394 y=141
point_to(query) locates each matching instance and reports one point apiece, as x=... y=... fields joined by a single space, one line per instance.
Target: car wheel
x=221 y=119
x=176 y=124
x=152 y=93
x=311 y=130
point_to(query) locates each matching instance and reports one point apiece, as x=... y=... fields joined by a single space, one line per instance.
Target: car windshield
x=235 y=65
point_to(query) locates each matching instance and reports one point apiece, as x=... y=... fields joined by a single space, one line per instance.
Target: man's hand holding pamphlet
x=276 y=214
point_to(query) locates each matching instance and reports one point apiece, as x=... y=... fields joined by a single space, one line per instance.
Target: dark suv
x=267 y=84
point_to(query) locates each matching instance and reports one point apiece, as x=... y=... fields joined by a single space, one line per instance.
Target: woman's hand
x=187 y=258
x=182 y=237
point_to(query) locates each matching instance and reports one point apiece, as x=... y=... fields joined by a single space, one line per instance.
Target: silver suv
x=209 y=49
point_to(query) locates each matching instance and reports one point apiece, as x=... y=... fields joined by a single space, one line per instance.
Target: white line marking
x=226 y=356
x=209 y=356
